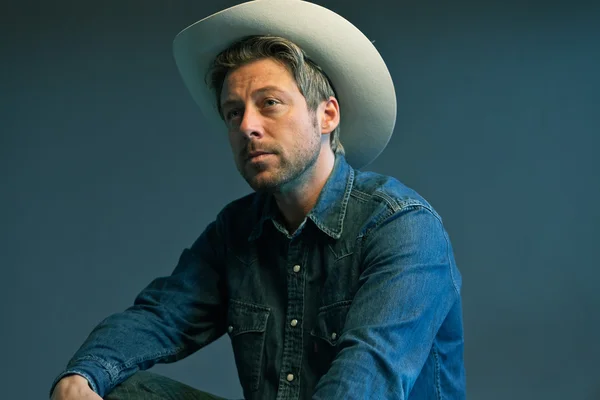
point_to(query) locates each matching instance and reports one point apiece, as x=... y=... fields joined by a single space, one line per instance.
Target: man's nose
x=251 y=124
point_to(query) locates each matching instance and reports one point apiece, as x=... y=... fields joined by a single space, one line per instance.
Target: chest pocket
x=326 y=333
x=246 y=326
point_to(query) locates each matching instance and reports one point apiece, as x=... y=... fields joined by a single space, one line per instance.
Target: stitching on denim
x=437 y=372
x=348 y=191
x=328 y=307
x=253 y=306
x=248 y=262
x=377 y=221
x=338 y=306
x=340 y=256
x=454 y=282
x=76 y=371
x=403 y=203
x=263 y=312
x=451 y=270
x=447 y=241
x=112 y=370
x=360 y=195
x=158 y=356
x=389 y=201
x=256 y=325
x=258 y=367
x=337 y=233
x=406 y=205
x=303 y=280
x=391 y=211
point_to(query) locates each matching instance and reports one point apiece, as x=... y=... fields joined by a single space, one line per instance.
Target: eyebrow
x=264 y=89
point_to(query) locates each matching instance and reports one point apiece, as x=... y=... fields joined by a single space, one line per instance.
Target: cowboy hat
x=360 y=78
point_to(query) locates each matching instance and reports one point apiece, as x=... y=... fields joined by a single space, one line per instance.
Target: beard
x=276 y=176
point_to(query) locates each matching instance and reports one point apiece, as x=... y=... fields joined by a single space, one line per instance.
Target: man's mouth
x=257 y=155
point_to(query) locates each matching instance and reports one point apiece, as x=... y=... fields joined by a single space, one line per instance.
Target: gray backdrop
x=107 y=174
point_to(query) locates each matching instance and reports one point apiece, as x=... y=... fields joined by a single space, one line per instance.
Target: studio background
x=107 y=174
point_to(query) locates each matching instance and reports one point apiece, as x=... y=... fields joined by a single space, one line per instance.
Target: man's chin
x=262 y=182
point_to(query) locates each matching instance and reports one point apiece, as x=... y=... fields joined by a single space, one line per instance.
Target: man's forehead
x=257 y=79
x=258 y=71
x=228 y=95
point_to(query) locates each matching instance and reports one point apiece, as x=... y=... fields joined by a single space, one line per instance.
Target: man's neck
x=295 y=204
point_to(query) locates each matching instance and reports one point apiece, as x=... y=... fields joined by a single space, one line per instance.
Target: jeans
x=146 y=385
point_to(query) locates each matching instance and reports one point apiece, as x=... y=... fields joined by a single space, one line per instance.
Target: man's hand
x=74 y=387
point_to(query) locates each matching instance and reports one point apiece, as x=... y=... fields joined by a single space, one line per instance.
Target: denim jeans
x=146 y=385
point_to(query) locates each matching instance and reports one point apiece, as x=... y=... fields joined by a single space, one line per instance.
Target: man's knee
x=145 y=385
x=141 y=385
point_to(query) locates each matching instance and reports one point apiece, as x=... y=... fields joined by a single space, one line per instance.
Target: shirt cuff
x=98 y=379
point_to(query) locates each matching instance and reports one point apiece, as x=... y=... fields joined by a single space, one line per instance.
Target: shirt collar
x=329 y=211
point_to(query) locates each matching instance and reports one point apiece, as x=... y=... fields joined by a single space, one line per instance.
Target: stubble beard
x=289 y=170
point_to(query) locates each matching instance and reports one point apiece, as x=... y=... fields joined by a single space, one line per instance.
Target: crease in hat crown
x=362 y=82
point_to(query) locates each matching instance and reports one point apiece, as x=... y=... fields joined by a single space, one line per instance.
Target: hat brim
x=362 y=82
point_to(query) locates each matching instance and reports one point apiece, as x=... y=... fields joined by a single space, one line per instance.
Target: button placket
x=293 y=340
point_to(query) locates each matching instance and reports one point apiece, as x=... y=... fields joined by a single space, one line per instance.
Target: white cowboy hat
x=359 y=75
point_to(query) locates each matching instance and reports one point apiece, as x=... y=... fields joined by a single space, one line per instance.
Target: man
x=331 y=283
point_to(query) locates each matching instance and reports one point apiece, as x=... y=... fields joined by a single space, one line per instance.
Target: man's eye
x=232 y=114
x=271 y=102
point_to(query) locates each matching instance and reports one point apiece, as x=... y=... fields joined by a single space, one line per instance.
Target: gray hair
x=310 y=78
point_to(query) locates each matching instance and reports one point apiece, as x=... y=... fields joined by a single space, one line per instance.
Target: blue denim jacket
x=361 y=302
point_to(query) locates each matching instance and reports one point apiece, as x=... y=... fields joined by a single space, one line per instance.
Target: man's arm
x=170 y=319
x=408 y=285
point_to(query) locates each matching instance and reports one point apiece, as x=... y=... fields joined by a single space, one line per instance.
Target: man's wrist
x=75 y=378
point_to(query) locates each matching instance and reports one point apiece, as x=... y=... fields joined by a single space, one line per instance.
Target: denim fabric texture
x=145 y=385
x=362 y=301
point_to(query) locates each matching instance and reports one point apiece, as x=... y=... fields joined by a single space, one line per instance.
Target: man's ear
x=330 y=116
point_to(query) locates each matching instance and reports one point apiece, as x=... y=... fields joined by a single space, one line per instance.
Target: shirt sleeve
x=408 y=285
x=171 y=318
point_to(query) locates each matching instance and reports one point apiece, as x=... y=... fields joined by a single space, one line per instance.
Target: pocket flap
x=330 y=321
x=246 y=317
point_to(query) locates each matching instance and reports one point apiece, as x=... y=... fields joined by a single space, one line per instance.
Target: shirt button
x=290 y=377
x=230 y=328
x=333 y=336
x=294 y=322
x=296 y=268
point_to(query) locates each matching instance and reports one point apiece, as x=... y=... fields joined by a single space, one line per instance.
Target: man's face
x=273 y=136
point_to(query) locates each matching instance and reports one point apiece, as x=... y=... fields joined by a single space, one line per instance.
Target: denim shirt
x=362 y=301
